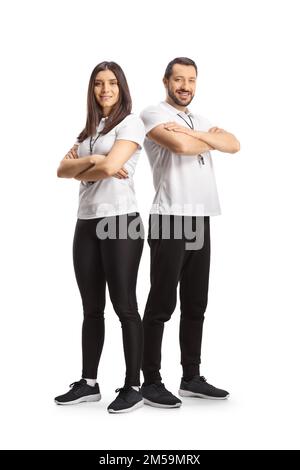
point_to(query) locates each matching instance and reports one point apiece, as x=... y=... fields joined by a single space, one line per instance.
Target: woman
x=104 y=159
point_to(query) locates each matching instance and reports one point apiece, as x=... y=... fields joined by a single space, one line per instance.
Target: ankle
x=188 y=378
x=90 y=382
x=152 y=382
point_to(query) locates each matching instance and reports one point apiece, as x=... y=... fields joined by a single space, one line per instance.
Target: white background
x=248 y=59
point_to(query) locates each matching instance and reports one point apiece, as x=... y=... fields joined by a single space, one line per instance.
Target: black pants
x=172 y=263
x=115 y=261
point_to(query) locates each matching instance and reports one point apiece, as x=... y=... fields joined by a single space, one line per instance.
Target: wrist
x=200 y=134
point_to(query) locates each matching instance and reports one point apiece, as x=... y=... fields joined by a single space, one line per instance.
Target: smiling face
x=181 y=85
x=106 y=90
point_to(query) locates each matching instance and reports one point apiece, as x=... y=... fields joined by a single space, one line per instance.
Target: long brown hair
x=94 y=112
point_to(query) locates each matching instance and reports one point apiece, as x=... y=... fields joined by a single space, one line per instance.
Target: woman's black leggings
x=114 y=260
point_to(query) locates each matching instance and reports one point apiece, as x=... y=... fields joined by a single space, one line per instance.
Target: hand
x=97 y=158
x=215 y=130
x=72 y=153
x=174 y=126
x=121 y=174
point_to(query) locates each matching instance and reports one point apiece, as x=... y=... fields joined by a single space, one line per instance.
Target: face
x=106 y=90
x=181 y=85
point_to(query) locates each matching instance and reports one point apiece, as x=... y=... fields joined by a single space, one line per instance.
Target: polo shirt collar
x=175 y=110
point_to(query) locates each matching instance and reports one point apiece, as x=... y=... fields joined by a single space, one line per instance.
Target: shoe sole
x=139 y=404
x=88 y=398
x=187 y=393
x=160 y=405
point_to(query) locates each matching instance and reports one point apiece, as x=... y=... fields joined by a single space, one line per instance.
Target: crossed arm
x=96 y=167
x=188 y=142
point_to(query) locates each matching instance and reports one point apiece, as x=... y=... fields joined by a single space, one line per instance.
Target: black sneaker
x=128 y=400
x=157 y=395
x=198 y=387
x=80 y=392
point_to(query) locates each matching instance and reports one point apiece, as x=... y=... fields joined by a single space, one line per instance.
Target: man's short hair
x=181 y=61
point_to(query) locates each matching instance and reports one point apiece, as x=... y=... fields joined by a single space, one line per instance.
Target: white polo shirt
x=111 y=196
x=184 y=185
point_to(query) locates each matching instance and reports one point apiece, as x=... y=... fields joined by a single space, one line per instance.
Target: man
x=178 y=146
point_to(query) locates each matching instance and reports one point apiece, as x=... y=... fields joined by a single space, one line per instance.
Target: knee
x=127 y=311
x=161 y=313
x=94 y=313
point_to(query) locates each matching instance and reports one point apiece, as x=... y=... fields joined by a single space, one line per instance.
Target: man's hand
x=72 y=153
x=215 y=130
x=175 y=127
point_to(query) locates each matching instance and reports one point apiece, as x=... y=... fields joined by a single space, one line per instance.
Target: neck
x=177 y=106
x=106 y=111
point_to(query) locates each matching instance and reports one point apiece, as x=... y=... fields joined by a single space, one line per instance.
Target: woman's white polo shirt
x=111 y=196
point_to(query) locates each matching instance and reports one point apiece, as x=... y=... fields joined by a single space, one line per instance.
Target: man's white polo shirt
x=111 y=196
x=185 y=185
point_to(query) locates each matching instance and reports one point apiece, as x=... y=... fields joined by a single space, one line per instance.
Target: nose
x=105 y=87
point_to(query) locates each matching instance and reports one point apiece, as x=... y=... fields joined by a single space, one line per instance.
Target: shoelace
x=162 y=387
x=122 y=389
x=77 y=384
x=201 y=378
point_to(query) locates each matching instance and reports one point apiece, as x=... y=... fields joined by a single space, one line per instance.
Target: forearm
x=222 y=141
x=69 y=168
x=181 y=144
x=99 y=170
x=110 y=164
x=190 y=146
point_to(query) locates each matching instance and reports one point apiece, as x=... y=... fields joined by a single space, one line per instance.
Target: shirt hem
x=189 y=214
x=128 y=210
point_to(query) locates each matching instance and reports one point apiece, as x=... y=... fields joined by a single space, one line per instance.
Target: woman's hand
x=72 y=153
x=121 y=174
x=97 y=158
x=174 y=126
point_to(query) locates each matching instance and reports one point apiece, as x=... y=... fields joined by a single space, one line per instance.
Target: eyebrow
x=110 y=80
x=181 y=76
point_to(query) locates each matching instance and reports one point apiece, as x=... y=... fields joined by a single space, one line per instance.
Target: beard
x=178 y=100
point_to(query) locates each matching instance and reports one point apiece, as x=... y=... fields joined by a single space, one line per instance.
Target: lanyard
x=191 y=126
x=93 y=144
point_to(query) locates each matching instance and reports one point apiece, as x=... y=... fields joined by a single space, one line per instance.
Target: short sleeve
x=206 y=124
x=153 y=116
x=131 y=128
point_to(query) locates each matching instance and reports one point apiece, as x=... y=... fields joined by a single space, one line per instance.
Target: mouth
x=184 y=94
x=104 y=97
